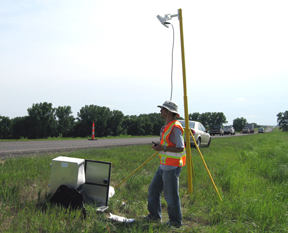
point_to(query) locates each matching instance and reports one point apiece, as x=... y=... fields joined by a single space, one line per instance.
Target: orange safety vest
x=171 y=158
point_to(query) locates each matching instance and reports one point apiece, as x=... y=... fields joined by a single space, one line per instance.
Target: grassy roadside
x=251 y=174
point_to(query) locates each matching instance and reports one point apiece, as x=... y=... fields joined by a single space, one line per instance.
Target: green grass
x=250 y=172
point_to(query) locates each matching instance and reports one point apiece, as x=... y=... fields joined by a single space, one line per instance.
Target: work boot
x=149 y=218
x=172 y=224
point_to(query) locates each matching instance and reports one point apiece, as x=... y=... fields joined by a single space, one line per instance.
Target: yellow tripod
x=188 y=161
x=190 y=169
x=136 y=169
x=204 y=165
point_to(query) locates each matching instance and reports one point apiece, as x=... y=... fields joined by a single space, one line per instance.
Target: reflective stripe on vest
x=167 y=131
x=171 y=158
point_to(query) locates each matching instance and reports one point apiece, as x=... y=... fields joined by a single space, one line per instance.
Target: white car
x=229 y=130
x=202 y=137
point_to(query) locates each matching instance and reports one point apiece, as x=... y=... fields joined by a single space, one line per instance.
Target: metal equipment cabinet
x=90 y=177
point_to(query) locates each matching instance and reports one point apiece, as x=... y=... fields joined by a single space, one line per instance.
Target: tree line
x=44 y=121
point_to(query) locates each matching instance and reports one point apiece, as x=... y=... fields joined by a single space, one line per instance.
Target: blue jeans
x=169 y=182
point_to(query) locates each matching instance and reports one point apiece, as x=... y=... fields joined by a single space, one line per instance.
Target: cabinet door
x=97 y=181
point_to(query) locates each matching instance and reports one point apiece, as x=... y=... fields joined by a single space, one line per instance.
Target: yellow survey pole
x=137 y=169
x=206 y=166
x=187 y=129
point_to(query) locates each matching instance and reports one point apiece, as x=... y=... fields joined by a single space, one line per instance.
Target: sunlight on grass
x=250 y=172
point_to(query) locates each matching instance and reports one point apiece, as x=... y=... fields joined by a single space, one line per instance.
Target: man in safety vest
x=172 y=158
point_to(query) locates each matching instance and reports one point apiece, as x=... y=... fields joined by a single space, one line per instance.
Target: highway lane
x=269 y=129
x=18 y=148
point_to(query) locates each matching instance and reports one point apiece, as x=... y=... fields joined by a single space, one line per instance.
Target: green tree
x=133 y=125
x=42 y=120
x=239 y=123
x=212 y=118
x=146 y=124
x=101 y=121
x=195 y=116
x=125 y=125
x=157 y=122
x=143 y=124
x=21 y=127
x=205 y=119
x=115 y=123
x=85 y=118
x=217 y=118
x=64 y=120
x=282 y=120
x=5 y=127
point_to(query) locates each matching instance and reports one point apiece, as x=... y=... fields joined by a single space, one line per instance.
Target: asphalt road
x=240 y=134
x=20 y=148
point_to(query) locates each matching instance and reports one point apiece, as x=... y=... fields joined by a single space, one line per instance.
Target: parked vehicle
x=246 y=130
x=250 y=127
x=202 y=137
x=229 y=130
x=216 y=129
x=261 y=130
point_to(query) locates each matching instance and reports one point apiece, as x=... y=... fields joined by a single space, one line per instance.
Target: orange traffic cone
x=93 y=132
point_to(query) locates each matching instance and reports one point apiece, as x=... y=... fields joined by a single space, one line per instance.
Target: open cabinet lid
x=97 y=180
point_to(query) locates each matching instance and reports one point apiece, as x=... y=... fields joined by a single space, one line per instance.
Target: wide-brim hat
x=171 y=106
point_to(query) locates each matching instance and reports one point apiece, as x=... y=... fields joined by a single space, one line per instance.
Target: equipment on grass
x=69 y=198
x=89 y=177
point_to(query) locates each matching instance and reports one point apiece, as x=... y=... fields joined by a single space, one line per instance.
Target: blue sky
x=117 y=54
